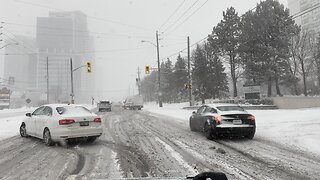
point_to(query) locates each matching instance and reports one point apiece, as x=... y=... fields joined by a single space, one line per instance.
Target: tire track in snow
x=177 y=157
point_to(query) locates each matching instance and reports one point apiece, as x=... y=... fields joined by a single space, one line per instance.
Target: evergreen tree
x=180 y=78
x=227 y=34
x=265 y=38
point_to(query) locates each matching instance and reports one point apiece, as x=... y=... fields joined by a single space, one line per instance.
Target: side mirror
x=193 y=112
x=28 y=114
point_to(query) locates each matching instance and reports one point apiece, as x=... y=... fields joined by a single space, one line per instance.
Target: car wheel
x=23 y=130
x=91 y=139
x=209 y=132
x=251 y=135
x=191 y=126
x=47 y=137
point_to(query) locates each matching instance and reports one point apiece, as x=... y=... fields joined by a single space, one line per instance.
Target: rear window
x=104 y=102
x=230 y=108
x=74 y=110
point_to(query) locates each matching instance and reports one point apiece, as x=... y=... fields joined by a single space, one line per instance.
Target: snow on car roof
x=61 y=105
x=221 y=104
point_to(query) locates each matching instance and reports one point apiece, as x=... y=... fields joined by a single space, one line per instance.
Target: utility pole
x=159 y=84
x=47 y=79
x=138 y=81
x=189 y=73
x=71 y=75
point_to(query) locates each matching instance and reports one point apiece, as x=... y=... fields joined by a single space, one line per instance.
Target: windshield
x=159 y=89
x=230 y=108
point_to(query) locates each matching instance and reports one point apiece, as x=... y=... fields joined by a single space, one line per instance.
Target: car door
x=197 y=118
x=31 y=122
x=204 y=117
x=42 y=120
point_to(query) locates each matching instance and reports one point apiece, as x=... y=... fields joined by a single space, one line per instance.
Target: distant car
x=223 y=119
x=133 y=102
x=104 y=106
x=56 y=122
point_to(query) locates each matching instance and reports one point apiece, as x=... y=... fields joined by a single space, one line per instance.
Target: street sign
x=28 y=101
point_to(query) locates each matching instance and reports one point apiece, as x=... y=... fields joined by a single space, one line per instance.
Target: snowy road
x=138 y=144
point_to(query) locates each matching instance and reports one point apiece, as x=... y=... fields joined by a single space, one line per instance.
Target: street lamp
x=158 y=57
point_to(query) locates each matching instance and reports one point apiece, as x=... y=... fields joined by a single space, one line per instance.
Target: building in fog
x=61 y=36
x=306 y=13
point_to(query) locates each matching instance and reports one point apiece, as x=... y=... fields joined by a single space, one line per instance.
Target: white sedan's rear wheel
x=47 y=138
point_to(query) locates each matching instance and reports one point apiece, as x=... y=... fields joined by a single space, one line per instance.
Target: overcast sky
x=118 y=26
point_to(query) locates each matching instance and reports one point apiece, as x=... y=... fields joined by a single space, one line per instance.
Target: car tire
x=209 y=132
x=251 y=135
x=191 y=126
x=23 y=130
x=91 y=139
x=47 y=137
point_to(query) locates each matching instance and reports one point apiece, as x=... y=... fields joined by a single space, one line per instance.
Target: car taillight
x=97 y=120
x=66 y=121
x=217 y=119
x=252 y=118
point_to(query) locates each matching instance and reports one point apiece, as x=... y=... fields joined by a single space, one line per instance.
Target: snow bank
x=10 y=126
x=298 y=127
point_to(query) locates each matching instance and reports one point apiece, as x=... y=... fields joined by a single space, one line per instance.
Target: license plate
x=85 y=123
x=237 y=122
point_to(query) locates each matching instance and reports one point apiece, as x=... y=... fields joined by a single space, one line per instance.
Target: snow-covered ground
x=298 y=127
x=10 y=120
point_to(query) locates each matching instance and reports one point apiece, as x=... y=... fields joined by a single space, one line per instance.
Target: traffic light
x=89 y=68
x=187 y=86
x=147 y=69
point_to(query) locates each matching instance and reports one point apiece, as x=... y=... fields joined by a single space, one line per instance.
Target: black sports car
x=223 y=119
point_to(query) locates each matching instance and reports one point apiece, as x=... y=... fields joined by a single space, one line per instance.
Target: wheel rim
x=23 y=131
x=46 y=137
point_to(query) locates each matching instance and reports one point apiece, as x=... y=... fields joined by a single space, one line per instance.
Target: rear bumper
x=67 y=133
x=234 y=130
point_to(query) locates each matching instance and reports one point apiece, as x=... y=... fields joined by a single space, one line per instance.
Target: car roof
x=214 y=105
x=60 y=105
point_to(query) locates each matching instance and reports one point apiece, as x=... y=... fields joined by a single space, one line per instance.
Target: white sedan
x=58 y=122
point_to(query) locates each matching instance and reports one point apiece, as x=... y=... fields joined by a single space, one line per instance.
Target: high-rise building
x=60 y=37
x=306 y=13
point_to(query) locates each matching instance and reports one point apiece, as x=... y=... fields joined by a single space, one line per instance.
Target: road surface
x=139 y=144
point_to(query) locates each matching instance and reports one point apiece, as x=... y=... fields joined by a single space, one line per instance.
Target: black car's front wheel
x=191 y=125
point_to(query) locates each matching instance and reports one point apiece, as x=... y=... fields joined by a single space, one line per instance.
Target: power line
x=298 y=13
x=313 y=8
x=182 y=15
x=174 y=12
x=188 y=16
x=185 y=48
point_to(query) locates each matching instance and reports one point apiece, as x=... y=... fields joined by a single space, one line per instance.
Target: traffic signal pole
x=47 y=79
x=72 y=90
x=89 y=70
